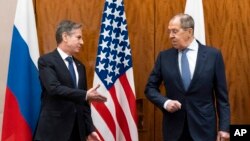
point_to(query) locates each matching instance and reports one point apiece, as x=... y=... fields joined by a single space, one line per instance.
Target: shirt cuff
x=166 y=103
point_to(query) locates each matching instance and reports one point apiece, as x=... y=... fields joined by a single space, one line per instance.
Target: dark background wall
x=226 y=23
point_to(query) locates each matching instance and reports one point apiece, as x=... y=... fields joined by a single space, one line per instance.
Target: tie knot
x=69 y=59
x=185 y=51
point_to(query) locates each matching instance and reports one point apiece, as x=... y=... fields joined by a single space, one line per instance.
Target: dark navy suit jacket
x=61 y=102
x=207 y=88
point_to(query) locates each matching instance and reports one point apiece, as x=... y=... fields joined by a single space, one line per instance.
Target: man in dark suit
x=195 y=83
x=65 y=112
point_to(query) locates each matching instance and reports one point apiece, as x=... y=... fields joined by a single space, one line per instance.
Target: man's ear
x=191 y=31
x=65 y=36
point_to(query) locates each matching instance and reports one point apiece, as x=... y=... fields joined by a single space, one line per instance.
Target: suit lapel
x=60 y=61
x=177 y=69
x=200 y=63
x=80 y=75
x=63 y=66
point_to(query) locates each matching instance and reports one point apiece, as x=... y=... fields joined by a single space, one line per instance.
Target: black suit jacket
x=61 y=102
x=207 y=87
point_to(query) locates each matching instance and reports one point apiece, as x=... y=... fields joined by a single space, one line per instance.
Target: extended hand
x=93 y=95
x=93 y=137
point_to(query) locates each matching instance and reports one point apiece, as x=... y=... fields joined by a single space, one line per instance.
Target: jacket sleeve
x=221 y=94
x=49 y=78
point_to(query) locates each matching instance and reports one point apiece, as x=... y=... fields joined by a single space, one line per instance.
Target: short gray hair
x=65 y=26
x=186 y=20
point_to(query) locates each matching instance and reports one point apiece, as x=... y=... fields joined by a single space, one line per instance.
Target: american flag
x=116 y=119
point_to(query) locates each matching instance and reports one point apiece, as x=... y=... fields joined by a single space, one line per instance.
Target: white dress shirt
x=64 y=56
x=192 y=57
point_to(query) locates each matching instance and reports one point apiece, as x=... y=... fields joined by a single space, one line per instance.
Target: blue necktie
x=185 y=71
x=71 y=69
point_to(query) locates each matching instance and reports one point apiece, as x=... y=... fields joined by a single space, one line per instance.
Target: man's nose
x=171 y=35
x=82 y=42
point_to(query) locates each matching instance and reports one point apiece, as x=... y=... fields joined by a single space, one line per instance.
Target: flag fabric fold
x=116 y=119
x=195 y=9
x=22 y=101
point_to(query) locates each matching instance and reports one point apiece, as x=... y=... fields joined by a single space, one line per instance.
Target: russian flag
x=23 y=91
x=195 y=9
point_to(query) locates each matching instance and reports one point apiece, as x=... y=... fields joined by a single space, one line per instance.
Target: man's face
x=179 y=37
x=74 y=41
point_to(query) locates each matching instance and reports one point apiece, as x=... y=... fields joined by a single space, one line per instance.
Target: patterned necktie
x=71 y=69
x=185 y=71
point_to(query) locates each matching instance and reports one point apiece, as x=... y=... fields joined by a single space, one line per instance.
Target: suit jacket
x=62 y=104
x=207 y=88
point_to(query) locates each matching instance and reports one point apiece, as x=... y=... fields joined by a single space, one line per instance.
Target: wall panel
x=140 y=18
x=227 y=23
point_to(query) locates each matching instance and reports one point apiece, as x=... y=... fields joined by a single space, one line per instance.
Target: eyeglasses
x=175 y=31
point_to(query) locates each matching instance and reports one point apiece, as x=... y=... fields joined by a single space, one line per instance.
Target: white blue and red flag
x=22 y=100
x=116 y=119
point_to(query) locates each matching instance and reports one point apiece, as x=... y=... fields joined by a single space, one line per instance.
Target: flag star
x=112 y=47
x=127 y=41
x=116 y=71
x=105 y=33
x=106 y=22
x=109 y=68
x=100 y=67
x=113 y=35
x=117 y=13
x=102 y=55
x=108 y=79
x=108 y=11
x=127 y=51
x=123 y=17
x=119 y=49
x=118 y=3
x=104 y=44
x=115 y=24
x=118 y=60
x=111 y=56
x=125 y=62
x=120 y=38
x=123 y=27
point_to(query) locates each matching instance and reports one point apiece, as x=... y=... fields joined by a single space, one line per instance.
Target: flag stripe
x=102 y=126
x=120 y=116
x=130 y=96
x=195 y=9
x=107 y=117
x=126 y=107
x=13 y=122
x=102 y=139
x=25 y=23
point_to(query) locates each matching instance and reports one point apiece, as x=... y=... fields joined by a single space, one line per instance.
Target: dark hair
x=65 y=26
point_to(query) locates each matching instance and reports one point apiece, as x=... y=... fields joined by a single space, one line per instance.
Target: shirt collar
x=193 y=46
x=62 y=53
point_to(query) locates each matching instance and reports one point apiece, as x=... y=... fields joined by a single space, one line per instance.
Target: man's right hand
x=94 y=96
x=173 y=106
